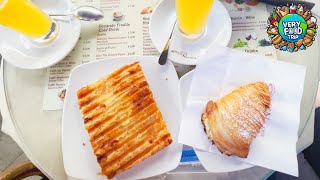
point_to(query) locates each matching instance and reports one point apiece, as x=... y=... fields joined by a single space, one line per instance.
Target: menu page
x=249 y=27
x=125 y=31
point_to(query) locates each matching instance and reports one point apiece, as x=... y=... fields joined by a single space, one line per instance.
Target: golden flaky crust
x=235 y=120
x=122 y=119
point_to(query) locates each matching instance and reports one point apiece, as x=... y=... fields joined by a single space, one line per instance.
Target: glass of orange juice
x=192 y=16
x=26 y=18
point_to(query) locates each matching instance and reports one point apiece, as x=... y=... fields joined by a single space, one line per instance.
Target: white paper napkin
x=222 y=70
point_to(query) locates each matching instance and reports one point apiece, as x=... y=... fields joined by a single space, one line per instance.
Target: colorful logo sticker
x=292 y=28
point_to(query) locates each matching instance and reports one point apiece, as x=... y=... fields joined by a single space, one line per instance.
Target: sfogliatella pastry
x=235 y=120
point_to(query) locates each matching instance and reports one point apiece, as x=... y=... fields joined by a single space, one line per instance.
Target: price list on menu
x=123 y=32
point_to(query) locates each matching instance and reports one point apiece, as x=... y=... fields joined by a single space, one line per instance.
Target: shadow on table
x=309 y=160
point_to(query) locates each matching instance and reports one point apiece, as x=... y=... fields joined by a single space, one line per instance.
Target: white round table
x=38 y=132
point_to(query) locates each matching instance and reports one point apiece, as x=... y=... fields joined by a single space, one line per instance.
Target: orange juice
x=25 y=17
x=192 y=15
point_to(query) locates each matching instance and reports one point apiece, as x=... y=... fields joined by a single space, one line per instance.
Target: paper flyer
x=249 y=27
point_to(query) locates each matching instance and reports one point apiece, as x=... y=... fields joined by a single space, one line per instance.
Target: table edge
x=6 y=114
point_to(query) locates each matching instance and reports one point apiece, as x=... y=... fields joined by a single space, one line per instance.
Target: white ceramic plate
x=211 y=162
x=79 y=161
x=20 y=51
x=184 y=51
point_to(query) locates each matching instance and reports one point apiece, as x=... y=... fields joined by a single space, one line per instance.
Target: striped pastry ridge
x=122 y=119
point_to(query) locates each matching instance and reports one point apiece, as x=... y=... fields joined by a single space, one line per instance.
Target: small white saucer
x=185 y=51
x=20 y=51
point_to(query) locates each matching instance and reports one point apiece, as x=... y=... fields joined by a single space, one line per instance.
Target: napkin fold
x=222 y=70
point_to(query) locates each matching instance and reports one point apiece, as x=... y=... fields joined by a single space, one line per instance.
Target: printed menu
x=249 y=27
x=125 y=32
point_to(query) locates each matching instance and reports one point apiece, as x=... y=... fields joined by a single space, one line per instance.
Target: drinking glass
x=192 y=17
x=26 y=18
